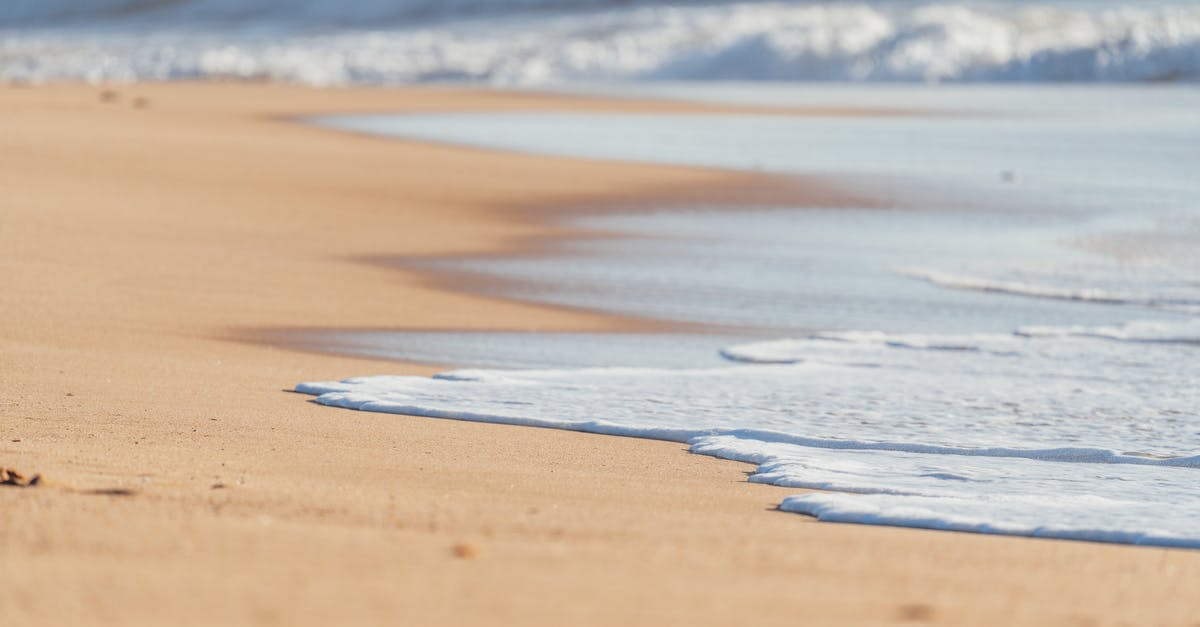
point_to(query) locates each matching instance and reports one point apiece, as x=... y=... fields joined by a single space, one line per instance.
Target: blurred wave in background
x=532 y=42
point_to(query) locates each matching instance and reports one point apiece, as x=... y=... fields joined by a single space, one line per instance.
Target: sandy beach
x=150 y=237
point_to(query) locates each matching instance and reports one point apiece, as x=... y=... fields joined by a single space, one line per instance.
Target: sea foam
x=1047 y=434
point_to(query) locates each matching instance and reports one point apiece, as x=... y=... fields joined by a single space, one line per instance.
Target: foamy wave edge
x=857 y=509
x=848 y=503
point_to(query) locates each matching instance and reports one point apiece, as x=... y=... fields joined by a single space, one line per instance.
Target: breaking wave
x=544 y=41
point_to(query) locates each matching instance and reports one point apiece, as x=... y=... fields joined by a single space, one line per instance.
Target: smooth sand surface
x=142 y=242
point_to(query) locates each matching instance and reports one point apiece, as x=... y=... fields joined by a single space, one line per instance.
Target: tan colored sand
x=141 y=245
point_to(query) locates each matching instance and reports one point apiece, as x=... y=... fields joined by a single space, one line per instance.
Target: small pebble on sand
x=466 y=550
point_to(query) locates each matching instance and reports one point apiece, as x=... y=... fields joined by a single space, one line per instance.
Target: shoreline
x=133 y=240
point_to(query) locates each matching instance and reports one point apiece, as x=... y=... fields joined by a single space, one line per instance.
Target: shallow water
x=1022 y=362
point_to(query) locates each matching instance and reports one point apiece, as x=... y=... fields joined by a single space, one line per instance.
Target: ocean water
x=535 y=42
x=1010 y=346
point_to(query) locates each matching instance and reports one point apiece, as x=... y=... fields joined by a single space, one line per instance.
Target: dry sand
x=143 y=241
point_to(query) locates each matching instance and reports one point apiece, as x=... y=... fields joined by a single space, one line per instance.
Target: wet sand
x=148 y=235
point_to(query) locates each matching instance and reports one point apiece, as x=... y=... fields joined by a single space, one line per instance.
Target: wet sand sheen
x=136 y=240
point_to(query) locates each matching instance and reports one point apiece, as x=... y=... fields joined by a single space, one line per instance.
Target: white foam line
x=1017 y=288
x=1033 y=290
x=844 y=508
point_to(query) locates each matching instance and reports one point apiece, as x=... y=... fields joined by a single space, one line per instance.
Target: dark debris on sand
x=10 y=477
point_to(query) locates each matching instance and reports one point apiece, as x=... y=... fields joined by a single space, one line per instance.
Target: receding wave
x=540 y=41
